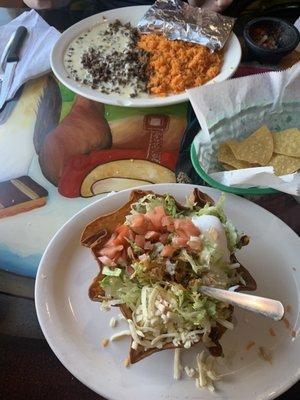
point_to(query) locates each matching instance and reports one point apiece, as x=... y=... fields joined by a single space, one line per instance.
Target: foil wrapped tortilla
x=180 y=21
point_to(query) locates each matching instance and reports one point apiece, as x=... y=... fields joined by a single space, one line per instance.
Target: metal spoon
x=260 y=305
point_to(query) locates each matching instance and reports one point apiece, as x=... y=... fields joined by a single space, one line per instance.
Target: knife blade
x=12 y=60
x=5 y=52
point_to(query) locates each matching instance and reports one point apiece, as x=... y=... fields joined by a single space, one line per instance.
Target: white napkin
x=260 y=176
x=35 y=52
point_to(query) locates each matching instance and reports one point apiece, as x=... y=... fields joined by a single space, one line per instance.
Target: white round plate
x=232 y=59
x=74 y=326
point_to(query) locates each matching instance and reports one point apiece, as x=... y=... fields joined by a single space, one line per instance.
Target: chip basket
x=204 y=156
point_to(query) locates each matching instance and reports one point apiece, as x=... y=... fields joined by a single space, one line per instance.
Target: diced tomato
x=107 y=261
x=140 y=224
x=187 y=226
x=180 y=240
x=121 y=256
x=152 y=236
x=139 y=240
x=164 y=238
x=123 y=232
x=111 y=240
x=168 y=222
x=167 y=251
x=148 y=245
x=111 y=251
x=155 y=216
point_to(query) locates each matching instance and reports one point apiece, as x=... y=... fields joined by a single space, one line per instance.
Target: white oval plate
x=232 y=59
x=74 y=326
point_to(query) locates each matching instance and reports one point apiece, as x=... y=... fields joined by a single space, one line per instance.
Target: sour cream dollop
x=206 y=223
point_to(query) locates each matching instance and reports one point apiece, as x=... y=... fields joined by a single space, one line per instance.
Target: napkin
x=244 y=178
x=35 y=53
x=234 y=109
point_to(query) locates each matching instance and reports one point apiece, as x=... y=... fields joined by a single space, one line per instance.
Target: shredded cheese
x=165 y=335
x=144 y=301
x=134 y=345
x=126 y=362
x=120 y=335
x=177 y=366
x=151 y=302
x=234 y=266
x=104 y=342
x=112 y=322
x=206 y=374
x=190 y=372
x=133 y=331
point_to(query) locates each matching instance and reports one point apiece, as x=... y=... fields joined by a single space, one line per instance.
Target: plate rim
x=154 y=101
x=39 y=280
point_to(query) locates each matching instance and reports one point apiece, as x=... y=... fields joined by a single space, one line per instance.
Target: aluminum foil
x=178 y=20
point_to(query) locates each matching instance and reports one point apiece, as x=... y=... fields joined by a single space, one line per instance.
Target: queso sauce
x=107 y=59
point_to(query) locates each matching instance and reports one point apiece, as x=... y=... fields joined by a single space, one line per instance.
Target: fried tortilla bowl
x=96 y=234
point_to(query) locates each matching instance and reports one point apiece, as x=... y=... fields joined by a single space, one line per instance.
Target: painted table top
x=65 y=145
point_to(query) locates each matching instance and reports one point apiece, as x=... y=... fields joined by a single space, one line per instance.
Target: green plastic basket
x=253 y=191
x=238 y=126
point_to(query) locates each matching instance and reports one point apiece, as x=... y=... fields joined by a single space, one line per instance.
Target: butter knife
x=11 y=62
x=5 y=52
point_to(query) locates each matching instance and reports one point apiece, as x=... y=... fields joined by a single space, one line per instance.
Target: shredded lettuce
x=139 y=272
x=194 y=261
x=146 y=203
x=136 y=249
x=123 y=289
x=191 y=306
x=179 y=296
x=232 y=236
x=216 y=210
x=170 y=206
x=202 y=261
x=111 y=272
x=131 y=296
x=211 y=308
x=150 y=201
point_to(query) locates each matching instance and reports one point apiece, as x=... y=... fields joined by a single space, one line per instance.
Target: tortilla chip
x=233 y=144
x=228 y=167
x=225 y=155
x=284 y=164
x=287 y=142
x=99 y=231
x=255 y=149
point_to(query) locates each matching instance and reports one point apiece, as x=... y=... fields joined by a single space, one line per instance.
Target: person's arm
x=11 y=3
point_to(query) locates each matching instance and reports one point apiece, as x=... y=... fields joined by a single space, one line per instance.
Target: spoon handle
x=260 y=305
